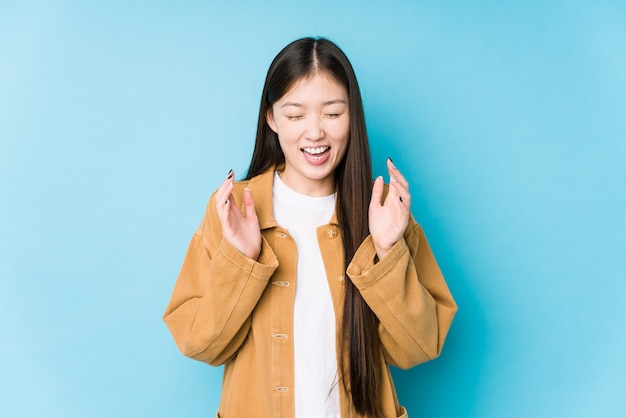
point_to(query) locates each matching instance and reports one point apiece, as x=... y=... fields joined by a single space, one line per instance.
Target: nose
x=314 y=130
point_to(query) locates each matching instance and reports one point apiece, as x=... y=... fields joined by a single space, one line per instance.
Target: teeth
x=315 y=150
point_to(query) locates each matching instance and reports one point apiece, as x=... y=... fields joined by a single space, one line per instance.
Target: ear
x=269 y=118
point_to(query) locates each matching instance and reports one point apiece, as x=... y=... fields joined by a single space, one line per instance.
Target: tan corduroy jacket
x=232 y=310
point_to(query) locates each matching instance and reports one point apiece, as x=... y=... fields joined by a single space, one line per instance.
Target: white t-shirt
x=316 y=393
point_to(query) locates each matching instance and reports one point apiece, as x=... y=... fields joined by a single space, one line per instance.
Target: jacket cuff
x=364 y=270
x=261 y=269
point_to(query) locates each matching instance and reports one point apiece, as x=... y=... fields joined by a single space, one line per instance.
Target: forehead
x=319 y=86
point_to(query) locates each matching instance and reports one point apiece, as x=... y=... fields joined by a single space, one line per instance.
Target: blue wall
x=119 y=118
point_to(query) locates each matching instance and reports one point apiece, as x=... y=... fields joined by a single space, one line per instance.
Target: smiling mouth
x=315 y=152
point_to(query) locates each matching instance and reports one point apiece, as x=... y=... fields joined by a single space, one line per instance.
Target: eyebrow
x=329 y=102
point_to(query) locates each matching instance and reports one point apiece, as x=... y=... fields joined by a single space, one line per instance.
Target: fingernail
x=225 y=202
x=230 y=174
x=401 y=199
x=391 y=161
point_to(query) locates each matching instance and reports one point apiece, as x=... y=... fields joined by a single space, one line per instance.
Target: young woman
x=305 y=280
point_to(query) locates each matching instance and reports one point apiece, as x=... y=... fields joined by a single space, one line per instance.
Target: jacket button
x=281 y=283
x=331 y=233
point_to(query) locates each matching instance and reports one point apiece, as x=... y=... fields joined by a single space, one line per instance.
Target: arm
x=408 y=294
x=216 y=292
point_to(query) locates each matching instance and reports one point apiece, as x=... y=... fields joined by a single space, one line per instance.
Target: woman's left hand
x=389 y=218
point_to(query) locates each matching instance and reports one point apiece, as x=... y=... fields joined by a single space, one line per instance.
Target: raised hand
x=389 y=219
x=241 y=231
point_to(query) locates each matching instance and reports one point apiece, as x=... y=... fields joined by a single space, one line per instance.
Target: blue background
x=118 y=119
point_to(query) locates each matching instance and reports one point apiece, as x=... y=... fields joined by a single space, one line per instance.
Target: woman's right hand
x=241 y=231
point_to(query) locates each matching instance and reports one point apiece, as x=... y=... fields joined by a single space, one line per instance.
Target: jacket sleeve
x=209 y=314
x=408 y=294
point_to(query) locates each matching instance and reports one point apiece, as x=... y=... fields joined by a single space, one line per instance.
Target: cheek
x=341 y=137
x=288 y=133
x=287 y=139
x=340 y=131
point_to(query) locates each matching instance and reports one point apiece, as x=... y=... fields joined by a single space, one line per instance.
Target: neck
x=313 y=188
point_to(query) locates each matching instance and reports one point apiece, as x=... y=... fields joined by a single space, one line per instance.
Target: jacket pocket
x=403 y=413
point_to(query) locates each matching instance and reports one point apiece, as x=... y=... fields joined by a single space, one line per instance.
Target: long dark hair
x=353 y=181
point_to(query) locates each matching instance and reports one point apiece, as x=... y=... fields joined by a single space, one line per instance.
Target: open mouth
x=315 y=153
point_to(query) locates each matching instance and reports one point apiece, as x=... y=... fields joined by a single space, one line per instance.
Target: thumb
x=248 y=203
x=377 y=191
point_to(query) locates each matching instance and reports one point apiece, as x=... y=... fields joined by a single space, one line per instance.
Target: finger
x=223 y=197
x=395 y=175
x=398 y=189
x=400 y=193
x=248 y=203
x=398 y=183
x=224 y=185
x=377 y=191
x=405 y=200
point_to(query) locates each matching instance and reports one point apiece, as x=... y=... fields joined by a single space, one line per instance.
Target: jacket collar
x=261 y=187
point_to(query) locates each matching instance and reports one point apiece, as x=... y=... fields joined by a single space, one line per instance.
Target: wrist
x=254 y=253
x=381 y=251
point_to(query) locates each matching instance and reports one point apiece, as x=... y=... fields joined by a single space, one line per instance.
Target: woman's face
x=312 y=121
